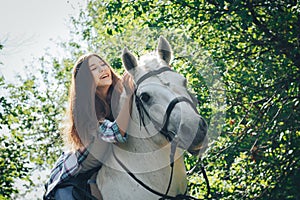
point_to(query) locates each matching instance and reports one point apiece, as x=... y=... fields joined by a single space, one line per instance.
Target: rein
x=170 y=135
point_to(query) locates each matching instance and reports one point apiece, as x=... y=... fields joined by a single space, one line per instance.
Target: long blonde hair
x=102 y=106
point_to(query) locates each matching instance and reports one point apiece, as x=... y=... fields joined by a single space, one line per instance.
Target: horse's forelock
x=150 y=61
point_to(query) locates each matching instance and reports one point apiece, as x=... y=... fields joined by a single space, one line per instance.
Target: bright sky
x=27 y=27
x=26 y=30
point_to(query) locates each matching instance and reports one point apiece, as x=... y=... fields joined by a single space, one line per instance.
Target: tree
x=255 y=50
x=12 y=164
x=256 y=46
x=31 y=113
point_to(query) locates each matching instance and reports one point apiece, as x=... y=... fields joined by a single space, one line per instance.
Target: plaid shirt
x=68 y=164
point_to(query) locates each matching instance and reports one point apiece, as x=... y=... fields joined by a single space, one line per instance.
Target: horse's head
x=162 y=98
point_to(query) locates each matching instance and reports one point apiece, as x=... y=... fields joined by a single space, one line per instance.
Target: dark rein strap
x=134 y=177
x=163 y=196
x=167 y=115
x=152 y=73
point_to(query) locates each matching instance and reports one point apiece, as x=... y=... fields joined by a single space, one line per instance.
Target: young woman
x=91 y=127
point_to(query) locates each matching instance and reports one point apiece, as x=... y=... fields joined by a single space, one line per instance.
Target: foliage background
x=255 y=47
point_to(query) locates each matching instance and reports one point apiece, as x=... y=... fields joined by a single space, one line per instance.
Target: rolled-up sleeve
x=109 y=132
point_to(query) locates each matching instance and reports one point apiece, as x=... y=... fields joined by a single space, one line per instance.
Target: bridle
x=163 y=129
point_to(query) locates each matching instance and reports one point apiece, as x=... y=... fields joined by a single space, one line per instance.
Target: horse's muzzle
x=198 y=141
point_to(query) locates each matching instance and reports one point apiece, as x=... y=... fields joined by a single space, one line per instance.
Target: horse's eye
x=145 y=97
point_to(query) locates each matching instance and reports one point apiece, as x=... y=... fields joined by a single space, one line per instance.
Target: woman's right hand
x=128 y=84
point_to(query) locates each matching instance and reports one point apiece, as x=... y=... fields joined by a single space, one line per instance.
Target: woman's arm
x=124 y=116
x=115 y=131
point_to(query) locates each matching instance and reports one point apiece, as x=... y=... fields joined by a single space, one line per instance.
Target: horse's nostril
x=184 y=128
x=203 y=125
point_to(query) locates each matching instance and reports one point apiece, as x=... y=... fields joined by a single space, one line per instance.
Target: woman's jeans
x=64 y=193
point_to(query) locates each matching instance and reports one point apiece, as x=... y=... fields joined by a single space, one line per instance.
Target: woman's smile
x=104 y=76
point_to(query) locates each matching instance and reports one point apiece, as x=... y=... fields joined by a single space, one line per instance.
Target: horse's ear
x=129 y=60
x=164 y=49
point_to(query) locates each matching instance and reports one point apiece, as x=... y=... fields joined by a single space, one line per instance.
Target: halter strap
x=152 y=73
x=164 y=129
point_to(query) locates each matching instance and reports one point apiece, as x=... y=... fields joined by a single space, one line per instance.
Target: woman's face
x=100 y=71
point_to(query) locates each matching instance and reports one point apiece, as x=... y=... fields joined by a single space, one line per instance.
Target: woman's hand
x=128 y=83
x=124 y=114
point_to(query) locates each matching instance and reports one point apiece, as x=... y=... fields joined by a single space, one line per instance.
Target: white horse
x=164 y=122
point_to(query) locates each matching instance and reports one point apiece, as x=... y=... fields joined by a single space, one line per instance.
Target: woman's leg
x=64 y=193
x=94 y=188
